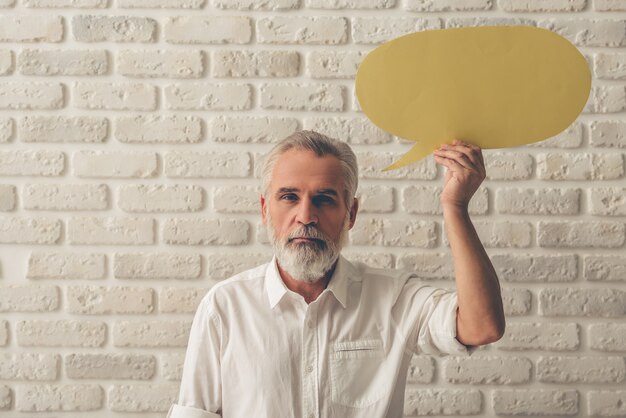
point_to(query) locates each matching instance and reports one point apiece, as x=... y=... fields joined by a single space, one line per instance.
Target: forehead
x=304 y=169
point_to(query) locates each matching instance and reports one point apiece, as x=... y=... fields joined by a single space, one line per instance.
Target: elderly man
x=310 y=334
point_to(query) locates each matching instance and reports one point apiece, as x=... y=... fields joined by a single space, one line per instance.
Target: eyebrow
x=331 y=192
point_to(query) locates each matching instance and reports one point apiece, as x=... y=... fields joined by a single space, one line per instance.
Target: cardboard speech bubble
x=495 y=87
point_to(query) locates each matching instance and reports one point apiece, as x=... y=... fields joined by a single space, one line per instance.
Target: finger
x=477 y=150
x=451 y=165
x=461 y=158
x=471 y=153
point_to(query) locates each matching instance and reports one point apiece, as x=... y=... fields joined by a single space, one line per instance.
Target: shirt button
x=310 y=324
x=309 y=369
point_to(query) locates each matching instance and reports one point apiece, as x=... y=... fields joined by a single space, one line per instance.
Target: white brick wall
x=131 y=138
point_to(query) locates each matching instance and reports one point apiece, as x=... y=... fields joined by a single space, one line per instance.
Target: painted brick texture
x=132 y=136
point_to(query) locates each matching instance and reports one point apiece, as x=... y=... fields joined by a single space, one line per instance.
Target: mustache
x=307 y=232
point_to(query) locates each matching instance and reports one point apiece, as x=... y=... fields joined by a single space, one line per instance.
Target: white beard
x=307 y=261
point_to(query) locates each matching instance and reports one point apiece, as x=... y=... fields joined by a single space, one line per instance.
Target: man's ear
x=353 y=212
x=263 y=209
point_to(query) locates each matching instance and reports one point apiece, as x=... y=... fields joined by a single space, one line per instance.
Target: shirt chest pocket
x=358 y=374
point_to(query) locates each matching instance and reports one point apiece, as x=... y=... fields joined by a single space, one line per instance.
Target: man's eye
x=324 y=200
x=289 y=197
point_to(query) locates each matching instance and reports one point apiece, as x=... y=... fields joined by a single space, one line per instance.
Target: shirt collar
x=338 y=284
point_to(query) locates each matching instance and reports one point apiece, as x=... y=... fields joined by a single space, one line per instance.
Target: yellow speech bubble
x=495 y=87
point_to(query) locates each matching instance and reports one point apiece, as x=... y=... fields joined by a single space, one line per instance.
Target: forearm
x=480 y=317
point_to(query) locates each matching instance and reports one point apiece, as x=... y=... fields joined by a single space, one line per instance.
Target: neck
x=309 y=291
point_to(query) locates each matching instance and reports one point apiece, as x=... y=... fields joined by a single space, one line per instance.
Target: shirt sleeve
x=200 y=393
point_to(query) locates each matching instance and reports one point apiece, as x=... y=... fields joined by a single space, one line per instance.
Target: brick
x=535 y=402
x=157 y=266
x=606 y=303
x=609 y=5
x=6 y=62
x=587 y=369
x=375 y=260
x=223 y=266
x=465 y=22
x=236 y=199
x=542 y=5
x=29 y=366
x=572 y=137
x=606 y=403
x=180 y=300
x=447 y=5
x=160 y=4
x=334 y=64
x=540 y=336
x=8 y=197
x=298 y=30
x=6 y=397
x=99 y=300
x=425 y=200
x=581 y=234
x=25 y=28
x=560 y=166
x=206 y=231
x=152 y=333
x=606 y=99
x=110 y=231
x=536 y=267
x=256 y=5
x=588 y=32
x=142 y=398
x=114 y=96
x=216 y=164
x=502 y=234
x=160 y=63
x=29 y=230
x=7 y=130
x=367 y=231
x=604 y=267
x=376 y=199
x=350 y=4
x=241 y=64
x=101 y=28
x=88 y=129
x=172 y=366
x=376 y=30
x=607 y=337
x=65 y=196
x=371 y=165
x=7 y=3
x=516 y=301
x=53 y=265
x=31 y=163
x=64 y=398
x=116 y=164
x=160 y=198
x=487 y=370
x=4 y=337
x=158 y=129
x=442 y=402
x=110 y=366
x=609 y=66
x=60 y=333
x=62 y=62
x=251 y=129
x=607 y=133
x=607 y=201
x=357 y=130
x=208 y=30
x=31 y=96
x=538 y=202
x=79 y=4
x=421 y=369
x=508 y=166
x=407 y=233
x=428 y=266
x=203 y=96
x=310 y=97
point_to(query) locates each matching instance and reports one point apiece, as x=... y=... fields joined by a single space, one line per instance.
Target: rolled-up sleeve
x=200 y=393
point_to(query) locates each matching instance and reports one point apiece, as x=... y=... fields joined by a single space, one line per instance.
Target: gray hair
x=321 y=145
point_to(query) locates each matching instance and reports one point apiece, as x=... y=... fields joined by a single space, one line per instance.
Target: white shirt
x=258 y=349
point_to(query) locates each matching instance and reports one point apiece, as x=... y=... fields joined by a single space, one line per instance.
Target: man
x=310 y=334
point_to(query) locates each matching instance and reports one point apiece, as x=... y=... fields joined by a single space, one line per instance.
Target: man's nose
x=307 y=213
